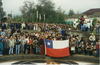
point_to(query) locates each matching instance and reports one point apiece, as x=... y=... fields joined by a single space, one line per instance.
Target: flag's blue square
x=49 y=43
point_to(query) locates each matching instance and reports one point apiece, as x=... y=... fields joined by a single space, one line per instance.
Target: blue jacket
x=1 y=46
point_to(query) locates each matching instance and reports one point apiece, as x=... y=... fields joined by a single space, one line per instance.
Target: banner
x=57 y=48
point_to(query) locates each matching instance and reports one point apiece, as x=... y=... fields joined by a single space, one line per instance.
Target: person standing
x=30 y=45
x=98 y=48
x=82 y=19
x=26 y=46
x=23 y=25
x=11 y=45
x=97 y=26
x=23 y=42
x=6 y=46
x=1 y=46
x=3 y=26
x=92 y=39
x=18 y=44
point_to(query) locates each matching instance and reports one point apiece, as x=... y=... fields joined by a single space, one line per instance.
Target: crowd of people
x=86 y=24
x=88 y=47
x=13 y=40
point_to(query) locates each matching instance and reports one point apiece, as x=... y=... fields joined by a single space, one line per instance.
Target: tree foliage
x=44 y=11
x=71 y=13
x=2 y=13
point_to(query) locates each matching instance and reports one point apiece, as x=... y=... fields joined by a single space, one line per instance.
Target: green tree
x=47 y=8
x=44 y=11
x=2 y=13
x=71 y=13
x=28 y=11
x=17 y=19
x=10 y=15
x=60 y=15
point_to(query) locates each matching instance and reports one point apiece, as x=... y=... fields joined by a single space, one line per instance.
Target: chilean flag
x=57 y=48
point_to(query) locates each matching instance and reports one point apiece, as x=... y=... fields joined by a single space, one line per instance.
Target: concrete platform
x=80 y=58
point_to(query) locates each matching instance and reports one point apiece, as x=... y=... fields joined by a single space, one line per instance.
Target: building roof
x=91 y=11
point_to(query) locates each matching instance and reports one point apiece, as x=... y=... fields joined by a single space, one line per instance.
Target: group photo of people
x=49 y=32
x=28 y=38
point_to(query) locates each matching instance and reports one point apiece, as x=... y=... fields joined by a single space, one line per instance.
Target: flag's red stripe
x=57 y=52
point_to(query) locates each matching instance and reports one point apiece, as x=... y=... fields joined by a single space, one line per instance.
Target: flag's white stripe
x=60 y=44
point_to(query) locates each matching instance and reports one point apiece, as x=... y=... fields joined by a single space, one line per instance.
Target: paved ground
x=80 y=58
x=46 y=63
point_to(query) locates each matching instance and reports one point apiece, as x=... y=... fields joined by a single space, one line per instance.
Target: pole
x=37 y=14
x=44 y=17
x=39 y=17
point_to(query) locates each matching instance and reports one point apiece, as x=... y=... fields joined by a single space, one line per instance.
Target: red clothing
x=98 y=46
x=30 y=42
x=82 y=19
x=42 y=49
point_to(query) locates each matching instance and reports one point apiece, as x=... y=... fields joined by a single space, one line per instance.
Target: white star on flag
x=48 y=43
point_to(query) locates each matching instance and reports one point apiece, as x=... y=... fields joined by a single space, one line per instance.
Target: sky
x=79 y=6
